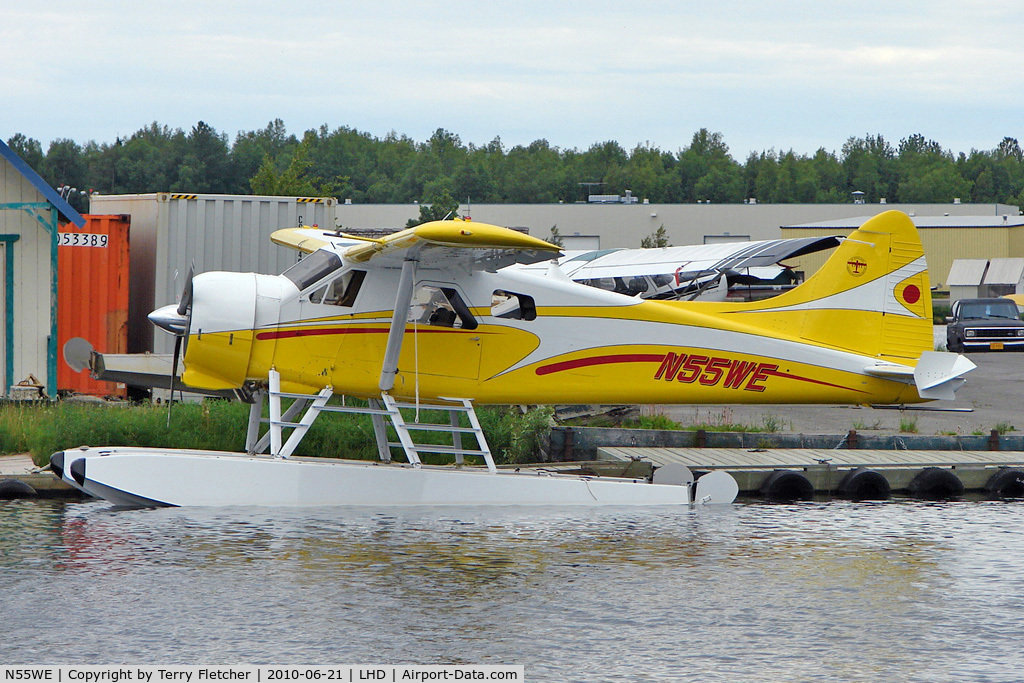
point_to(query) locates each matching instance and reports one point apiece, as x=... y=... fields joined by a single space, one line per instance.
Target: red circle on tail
x=911 y=294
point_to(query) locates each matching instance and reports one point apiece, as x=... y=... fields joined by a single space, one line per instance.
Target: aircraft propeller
x=176 y=319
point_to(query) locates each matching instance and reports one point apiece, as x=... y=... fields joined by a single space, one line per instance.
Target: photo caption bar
x=260 y=674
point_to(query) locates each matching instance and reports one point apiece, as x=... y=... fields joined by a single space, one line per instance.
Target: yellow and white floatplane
x=433 y=316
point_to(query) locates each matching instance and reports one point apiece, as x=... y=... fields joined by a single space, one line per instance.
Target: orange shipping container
x=92 y=294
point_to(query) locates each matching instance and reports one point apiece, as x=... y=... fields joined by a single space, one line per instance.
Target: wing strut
x=398 y=321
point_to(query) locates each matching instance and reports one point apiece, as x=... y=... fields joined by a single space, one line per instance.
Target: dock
x=800 y=473
x=20 y=478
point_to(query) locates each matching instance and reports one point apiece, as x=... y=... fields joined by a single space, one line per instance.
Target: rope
x=416 y=365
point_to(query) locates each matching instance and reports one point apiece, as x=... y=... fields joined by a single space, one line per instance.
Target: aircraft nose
x=167 y=318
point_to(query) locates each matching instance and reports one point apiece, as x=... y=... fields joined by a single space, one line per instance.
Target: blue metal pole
x=8 y=312
x=51 y=352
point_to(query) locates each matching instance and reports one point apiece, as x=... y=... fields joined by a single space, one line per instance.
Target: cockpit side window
x=313 y=268
x=441 y=307
x=341 y=291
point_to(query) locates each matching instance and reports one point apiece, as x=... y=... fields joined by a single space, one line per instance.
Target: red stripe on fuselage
x=660 y=358
x=330 y=331
x=786 y=375
x=600 y=360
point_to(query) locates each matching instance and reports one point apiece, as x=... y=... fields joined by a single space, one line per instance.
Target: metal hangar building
x=31 y=214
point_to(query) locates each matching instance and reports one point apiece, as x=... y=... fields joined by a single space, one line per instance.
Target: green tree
x=63 y=164
x=473 y=180
x=29 y=149
x=354 y=164
x=555 y=237
x=722 y=184
x=926 y=173
x=206 y=164
x=438 y=207
x=148 y=161
x=706 y=171
x=831 y=178
x=656 y=240
x=251 y=149
x=532 y=174
x=870 y=167
x=297 y=180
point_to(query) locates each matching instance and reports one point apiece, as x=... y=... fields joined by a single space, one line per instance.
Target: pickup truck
x=984 y=325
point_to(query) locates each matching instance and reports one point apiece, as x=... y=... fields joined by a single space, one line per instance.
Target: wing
x=308 y=240
x=694 y=258
x=442 y=244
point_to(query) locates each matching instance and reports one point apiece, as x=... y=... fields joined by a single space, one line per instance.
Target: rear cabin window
x=513 y=306
x=313 y=268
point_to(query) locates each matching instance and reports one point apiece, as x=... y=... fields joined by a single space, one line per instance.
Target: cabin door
x=440 y=338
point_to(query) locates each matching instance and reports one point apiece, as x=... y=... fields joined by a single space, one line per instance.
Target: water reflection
x=836 y=591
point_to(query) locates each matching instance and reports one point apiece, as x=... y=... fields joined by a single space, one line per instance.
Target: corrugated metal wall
x=944 y=245
x=172 y=231
x=24 y=348
x=93 y=267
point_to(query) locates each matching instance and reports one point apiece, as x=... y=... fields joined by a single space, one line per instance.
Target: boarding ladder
x=311 y=405
x=454 y=407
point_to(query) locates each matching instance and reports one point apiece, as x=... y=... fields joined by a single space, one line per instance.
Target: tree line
x=350 y=164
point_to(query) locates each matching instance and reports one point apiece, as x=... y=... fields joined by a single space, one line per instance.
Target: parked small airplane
x=431 y=315
x=694 y=272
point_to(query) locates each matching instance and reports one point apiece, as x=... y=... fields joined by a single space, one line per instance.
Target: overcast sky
x=786 y=75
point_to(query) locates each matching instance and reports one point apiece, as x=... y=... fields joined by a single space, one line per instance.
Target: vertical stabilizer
x=872 y=296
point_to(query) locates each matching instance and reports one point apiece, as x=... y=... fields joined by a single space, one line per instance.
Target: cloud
x=573 y=74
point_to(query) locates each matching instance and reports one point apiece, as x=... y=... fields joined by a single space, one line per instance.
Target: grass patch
x=769 y=423
x=724 y=423
x=908 y=425
x=42 y=429
x=1004 y=428
x=940 y=312
x=657 y=421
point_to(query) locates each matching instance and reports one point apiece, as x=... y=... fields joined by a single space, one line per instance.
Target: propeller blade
x=174 y=374
x=186 y=295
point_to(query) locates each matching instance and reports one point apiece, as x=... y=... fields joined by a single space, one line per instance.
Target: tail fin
x=871 y=297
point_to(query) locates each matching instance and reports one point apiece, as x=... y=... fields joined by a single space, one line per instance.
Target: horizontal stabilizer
x=938 y=375
x=890 y=370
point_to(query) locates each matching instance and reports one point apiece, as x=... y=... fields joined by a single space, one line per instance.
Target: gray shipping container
x=173 y=231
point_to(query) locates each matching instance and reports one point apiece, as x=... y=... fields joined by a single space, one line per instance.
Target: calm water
x=897 y=591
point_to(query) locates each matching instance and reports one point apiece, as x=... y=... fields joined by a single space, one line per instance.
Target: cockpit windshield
x=313 y=268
